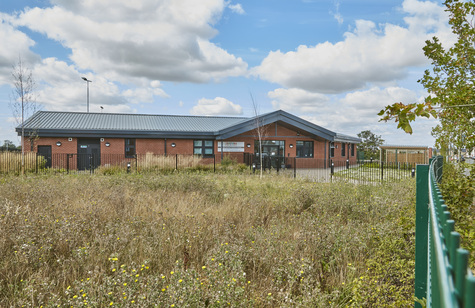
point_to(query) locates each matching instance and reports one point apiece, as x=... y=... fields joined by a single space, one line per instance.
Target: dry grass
x=199 y=240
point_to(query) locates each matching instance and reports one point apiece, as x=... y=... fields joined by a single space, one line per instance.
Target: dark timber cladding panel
x=89 y=153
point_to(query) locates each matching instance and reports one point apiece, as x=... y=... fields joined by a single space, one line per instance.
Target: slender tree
x=260 y=130
x=450 y=83
x=370 y=144
x=23 y=100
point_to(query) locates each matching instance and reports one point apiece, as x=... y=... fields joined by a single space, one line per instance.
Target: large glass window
x=270 y=147
x=304 y=148
x=203 y=147
x=343 y=149
x=129 y=148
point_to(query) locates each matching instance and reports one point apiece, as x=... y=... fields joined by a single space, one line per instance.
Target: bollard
x=128 y=167
x=347 y=164
x=413 y=172
x=332 y=168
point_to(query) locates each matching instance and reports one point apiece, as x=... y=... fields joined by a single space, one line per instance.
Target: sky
x=335 y=63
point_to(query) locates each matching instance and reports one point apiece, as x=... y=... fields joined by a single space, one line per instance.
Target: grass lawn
x=204 y=240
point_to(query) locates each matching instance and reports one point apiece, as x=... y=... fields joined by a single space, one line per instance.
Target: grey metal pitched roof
x=127 y=122
x=80 y=124
x=345 y=138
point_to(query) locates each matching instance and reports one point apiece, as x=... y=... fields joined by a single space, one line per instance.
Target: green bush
x=458 y=191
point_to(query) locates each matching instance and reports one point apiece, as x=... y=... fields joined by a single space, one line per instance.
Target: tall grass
x=202 y=240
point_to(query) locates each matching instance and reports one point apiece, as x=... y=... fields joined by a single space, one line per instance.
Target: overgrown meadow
x=204 y=240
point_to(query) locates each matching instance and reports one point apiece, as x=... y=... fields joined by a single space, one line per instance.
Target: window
x=343 y=149
x=270 y=148
x=332 y=149
x=352 y=149
x=304 y=148
x=203 y=147
x=129 y=148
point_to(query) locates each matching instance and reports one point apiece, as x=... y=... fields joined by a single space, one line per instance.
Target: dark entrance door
x=89 y=154
x=45 y=152
x=273 y=153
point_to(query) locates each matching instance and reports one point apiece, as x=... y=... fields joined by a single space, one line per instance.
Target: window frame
x=352 y=150
x=130 y=147
x=304 y=147
x=343 y=149
x=203 y=147
x=332 y=149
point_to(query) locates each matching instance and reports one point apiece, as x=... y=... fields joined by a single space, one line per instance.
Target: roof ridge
x=146 y=114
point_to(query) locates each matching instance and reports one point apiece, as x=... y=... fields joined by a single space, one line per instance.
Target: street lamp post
x=87 y=81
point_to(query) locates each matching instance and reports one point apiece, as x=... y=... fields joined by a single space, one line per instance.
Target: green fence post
x=461 y=263
x=422 y=220
x=469 y=299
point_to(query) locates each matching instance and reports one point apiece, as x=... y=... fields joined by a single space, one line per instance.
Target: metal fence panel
x=442 y=275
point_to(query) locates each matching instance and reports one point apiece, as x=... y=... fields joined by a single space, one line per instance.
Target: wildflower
x=203 y=267
x=113 y=269
x=172 y=272
x=125 y=284
x=180 y=281
x=112 y=303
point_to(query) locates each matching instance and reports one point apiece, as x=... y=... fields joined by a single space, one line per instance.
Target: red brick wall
x=65 y=148
x=185 y=146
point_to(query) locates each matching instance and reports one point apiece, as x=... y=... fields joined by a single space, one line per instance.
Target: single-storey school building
x=126 y=136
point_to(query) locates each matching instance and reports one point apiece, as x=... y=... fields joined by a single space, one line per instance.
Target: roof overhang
x=281 y=117
x=117 y=134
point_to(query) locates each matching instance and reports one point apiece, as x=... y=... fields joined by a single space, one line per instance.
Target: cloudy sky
x=335 y=63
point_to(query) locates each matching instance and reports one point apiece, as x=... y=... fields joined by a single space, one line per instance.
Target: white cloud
x=369 y=53
x=337 y=14
x=62 y=89
x=15 y=44
x=297 y=100
x=356 y=111
x=216 y=106
x=236 y=8
x=157 y=40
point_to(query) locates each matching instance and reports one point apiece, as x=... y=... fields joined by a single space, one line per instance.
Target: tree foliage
x=450 y=84
x=370 y=144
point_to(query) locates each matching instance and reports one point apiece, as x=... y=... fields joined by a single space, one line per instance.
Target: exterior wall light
x=173 y=144
x=108 y=144
x=248 y=145
x=291 y=146
x=58 y=143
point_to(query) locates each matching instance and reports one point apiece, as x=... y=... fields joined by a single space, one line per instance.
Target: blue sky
x=335 y=63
